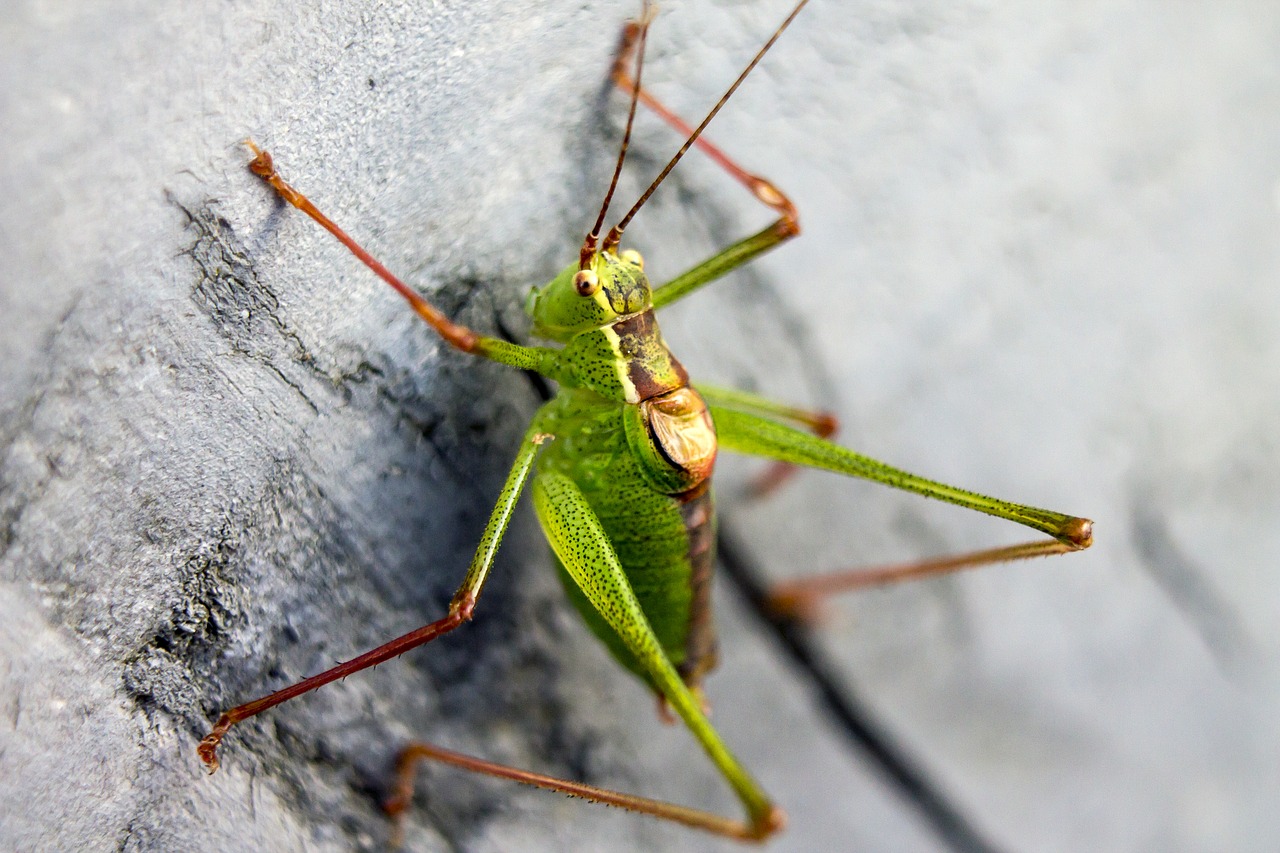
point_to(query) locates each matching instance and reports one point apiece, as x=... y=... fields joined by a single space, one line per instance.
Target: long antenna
x=615 y=233
x=589 y=244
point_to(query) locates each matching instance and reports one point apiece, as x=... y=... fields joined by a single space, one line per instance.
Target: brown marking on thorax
x=651 y=367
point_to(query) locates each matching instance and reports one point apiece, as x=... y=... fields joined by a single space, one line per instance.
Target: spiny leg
x=583 y=547
x=801 y=597
x=414 y=753
x=742 y=432
x=745 y=432
x=460 y=609
x=459 y=336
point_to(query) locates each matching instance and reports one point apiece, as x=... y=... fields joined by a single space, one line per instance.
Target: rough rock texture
x=1041 y=260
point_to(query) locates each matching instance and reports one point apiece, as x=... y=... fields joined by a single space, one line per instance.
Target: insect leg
x=583 y=547
x=744 y=432
x=801 y=597
x=459 y=336
x=742 y=252
x=460 y=609
x=695 y=818
x=579 y=540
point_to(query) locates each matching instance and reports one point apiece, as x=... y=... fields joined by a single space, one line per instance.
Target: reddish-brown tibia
x=455 y=334
x=460 y=611
x=802 y=598
x=769 y=824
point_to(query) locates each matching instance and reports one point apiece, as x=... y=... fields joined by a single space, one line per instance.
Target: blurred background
x=1040 y=260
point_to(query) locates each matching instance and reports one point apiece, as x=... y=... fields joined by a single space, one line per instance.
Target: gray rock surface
x=1041 y=260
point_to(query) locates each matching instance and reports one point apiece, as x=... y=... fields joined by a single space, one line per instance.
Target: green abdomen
x=664 y=542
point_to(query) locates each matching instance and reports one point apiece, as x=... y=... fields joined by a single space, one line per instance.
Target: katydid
x=619 y=464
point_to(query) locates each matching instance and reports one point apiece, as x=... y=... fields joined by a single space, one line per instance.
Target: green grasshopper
x=619 y=463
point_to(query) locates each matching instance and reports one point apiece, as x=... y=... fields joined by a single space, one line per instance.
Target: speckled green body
x=664 y=542
x=649 y=491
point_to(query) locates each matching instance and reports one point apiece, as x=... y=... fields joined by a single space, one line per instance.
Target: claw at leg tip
x=261 y=164
x=208 y=752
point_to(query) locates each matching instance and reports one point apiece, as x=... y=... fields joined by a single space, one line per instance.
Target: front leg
x=460 y=610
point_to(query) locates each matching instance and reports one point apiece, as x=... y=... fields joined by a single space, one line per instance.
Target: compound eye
x=632 y=257
x=586 y=282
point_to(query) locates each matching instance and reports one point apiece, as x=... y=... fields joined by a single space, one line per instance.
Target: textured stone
x=1040 y=260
